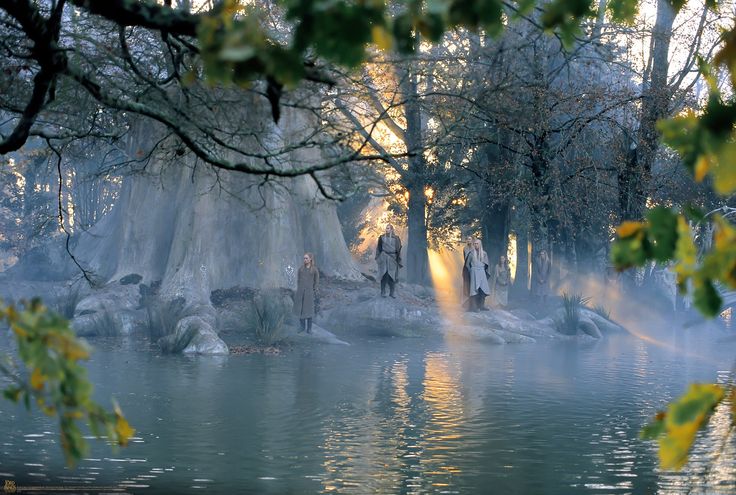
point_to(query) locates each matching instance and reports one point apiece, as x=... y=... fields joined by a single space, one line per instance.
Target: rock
x=112 y=310
x=384 y=316
x=603 y=324
x=514 y=338
x=318 y=335
x=587 y=326
x=474 y=333
x=193 y=335
x=509 y=322
x=133 y=278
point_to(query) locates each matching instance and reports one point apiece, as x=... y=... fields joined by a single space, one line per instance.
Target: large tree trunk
x=196 y=230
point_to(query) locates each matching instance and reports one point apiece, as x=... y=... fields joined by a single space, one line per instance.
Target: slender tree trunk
x=634 y=180
x=521 y=282
x=495 y=222
x=417 y=268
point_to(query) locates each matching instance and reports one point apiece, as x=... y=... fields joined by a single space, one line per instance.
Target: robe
x=501 y=281
x=540 y=276
x=306 y=292
x=388 y=256
x=477 y=264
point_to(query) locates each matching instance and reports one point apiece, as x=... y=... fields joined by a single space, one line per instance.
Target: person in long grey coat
x=477 y=265
x=501 y=281
x=306 y=293
x=388 y=258
x=540 y=276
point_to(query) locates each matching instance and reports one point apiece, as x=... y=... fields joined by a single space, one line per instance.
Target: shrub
x=163 y=315
x=572 y=304
x=268 y=318
x=601 y=310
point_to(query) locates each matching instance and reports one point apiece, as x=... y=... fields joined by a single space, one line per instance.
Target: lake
x=391 y=416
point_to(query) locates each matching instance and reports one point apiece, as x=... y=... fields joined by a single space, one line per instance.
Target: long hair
x=312 y=264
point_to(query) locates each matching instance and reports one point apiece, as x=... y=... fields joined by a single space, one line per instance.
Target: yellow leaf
x=685 y=251
x=38 y=379
x=629 y=228
x=723 y=169
x=674 y=446
x=381 y=38
x=19 y=331
x=684 y=418
x=701 y=167
x=123 y=430
x=725 y=235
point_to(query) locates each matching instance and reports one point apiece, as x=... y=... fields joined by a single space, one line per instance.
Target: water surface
x=391 y=416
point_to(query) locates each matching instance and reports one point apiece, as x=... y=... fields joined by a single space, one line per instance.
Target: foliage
x=706 y=143
x=601 y=310
x=676 y=428
x=268 y=317
x=237 y=46
x=572 y=304
x=53 y=378
x=163 y=315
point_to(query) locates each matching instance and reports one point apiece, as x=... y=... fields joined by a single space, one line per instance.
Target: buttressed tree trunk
x=197 y=230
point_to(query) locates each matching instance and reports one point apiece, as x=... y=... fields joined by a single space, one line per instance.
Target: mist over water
x=391 y=416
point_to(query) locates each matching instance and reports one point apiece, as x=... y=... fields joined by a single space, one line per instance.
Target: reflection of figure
x=541 y=271
x=501 y=281
x=477 y=265
x=306 y=293
x=466 y=274
x=388 y=257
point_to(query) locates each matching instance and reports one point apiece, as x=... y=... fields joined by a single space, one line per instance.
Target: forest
x=164 y=167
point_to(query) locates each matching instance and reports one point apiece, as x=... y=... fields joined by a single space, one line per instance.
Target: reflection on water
x=392 y=417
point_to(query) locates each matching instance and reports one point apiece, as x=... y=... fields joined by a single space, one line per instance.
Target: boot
x=309 y=325
x=383 y=286
x=302 y=325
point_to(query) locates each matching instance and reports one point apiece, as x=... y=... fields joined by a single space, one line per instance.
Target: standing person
x=501 y=281
x=466 y=273
x=388 y=257
x=540 y=276
x=306 y=293
x=477 y=264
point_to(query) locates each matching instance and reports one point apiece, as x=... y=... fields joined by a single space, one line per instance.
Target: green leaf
x=403 y=33
x=663 y=232
x=706 y=298
x=684 y=418
x=623 y=11
x=654 y=429
x=13 y=393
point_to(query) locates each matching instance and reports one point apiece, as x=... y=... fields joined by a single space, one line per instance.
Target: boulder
x=384 y=316
x=318 y=336
x=113 y=310
x=193 y=335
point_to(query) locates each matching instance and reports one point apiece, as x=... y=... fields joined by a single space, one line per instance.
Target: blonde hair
x=312 y=264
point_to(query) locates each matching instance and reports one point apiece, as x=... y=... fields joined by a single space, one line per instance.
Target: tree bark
x=417 y=268
x=634 y=180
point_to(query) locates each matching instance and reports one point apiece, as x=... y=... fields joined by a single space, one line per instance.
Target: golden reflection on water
x=403 y=441
x=445 y=415
x=363 y=450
